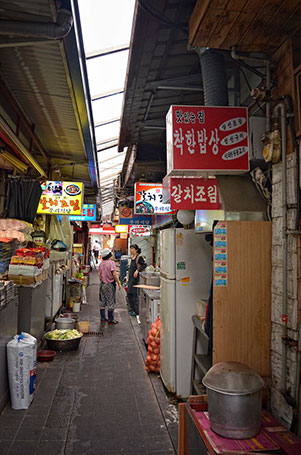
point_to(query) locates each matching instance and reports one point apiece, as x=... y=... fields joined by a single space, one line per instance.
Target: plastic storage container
x=83 y=326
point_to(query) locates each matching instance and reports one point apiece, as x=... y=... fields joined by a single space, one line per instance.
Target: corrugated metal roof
x=37 y=76
x=158 y=57
x=27 y=10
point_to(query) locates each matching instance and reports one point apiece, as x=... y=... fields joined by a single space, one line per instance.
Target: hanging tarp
x=23 y=197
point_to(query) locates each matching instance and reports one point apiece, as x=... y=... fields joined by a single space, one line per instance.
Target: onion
x=156 y=350
x=153 y=332
x=154 y=358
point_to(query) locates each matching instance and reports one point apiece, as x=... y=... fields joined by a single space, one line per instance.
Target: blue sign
x=137 y=220
x=88 y=213
x=163 y=219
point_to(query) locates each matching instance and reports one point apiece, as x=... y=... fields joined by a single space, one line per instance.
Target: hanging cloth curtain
x=23 y=198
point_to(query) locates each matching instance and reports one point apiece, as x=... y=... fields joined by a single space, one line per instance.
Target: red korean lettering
x=44 y=203
x=90 y=212
x=64 y=204
x=52 y=202
x=75 y=205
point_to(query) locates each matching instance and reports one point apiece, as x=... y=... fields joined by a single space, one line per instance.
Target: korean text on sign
x=194 y=194
x=207 y=138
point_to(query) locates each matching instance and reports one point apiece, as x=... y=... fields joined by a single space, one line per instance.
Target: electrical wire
x=160 y=17
x=248 y=84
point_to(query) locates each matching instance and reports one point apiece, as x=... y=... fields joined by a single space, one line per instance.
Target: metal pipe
x=182 y=87
x=49 y=30
x=15 y=142
x=268 y=93
x=298 y=370
x=281 y=107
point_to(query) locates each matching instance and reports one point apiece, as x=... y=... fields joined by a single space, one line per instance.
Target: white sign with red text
x=140 y=231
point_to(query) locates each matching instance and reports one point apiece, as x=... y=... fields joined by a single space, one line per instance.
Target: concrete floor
x=98 y=400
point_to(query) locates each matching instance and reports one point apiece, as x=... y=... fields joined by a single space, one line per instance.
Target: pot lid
x=234 y=378
x=67 y=320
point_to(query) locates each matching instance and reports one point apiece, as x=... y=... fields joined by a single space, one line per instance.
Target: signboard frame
x=190 y=129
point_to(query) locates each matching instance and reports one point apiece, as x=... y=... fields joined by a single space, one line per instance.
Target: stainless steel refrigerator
x=186 y=274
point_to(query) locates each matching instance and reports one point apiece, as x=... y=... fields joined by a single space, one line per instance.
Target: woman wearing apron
x=107 y=290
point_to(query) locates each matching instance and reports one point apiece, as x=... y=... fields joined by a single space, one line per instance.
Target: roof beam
x=103 y=95
x=116 y=155
x=107 y=122
x=175 y=80
x=107 y=141
x=107 y=51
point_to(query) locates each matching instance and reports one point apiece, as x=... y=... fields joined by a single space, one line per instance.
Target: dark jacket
x=136 y=264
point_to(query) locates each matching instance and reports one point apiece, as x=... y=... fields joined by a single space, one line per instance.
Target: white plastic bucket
x=76 y=307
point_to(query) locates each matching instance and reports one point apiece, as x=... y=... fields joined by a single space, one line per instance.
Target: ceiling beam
x=107 y=51
x=107 y=122
x=103 y=95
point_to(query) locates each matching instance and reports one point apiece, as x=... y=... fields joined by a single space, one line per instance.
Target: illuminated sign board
x=88 y=213
x=149 y=199
x=121 y=229
x=61 y=198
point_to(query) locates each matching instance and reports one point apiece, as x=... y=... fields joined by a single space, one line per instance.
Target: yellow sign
x=121 y=228
x=61 y=198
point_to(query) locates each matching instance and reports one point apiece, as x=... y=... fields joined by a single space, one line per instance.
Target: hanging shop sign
x=121 y=228
x=128 y=217
x=149 y=199
x=202 y=139
x=140 y=231
x=88 y=213
x=61 y=198
x=194 y=194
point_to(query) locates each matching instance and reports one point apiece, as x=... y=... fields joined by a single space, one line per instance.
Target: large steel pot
x=234 y=400
x=64 y=323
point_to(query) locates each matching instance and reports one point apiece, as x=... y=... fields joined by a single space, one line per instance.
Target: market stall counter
x=32 y=307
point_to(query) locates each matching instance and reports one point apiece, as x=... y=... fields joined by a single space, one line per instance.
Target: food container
x=76 y=307
x=46 y=356
x=67 y=314
x=64 y=323
x=63 y=345
x=234 y=400
x=83 y=326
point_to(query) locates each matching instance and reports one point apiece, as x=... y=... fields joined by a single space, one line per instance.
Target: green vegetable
x=66 y=334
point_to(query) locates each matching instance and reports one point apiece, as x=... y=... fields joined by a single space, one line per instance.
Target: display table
x=32 y=306
x=8 y=328
x=197 y=438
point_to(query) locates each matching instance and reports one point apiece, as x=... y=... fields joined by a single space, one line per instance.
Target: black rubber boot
x=111 y=317
x=103 y=318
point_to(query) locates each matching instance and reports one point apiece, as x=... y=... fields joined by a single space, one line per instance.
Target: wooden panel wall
x=242 y=310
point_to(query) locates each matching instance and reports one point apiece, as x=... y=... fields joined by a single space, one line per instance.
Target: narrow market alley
x=97 y=400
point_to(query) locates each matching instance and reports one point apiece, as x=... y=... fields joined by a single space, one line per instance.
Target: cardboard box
x=21 y=280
